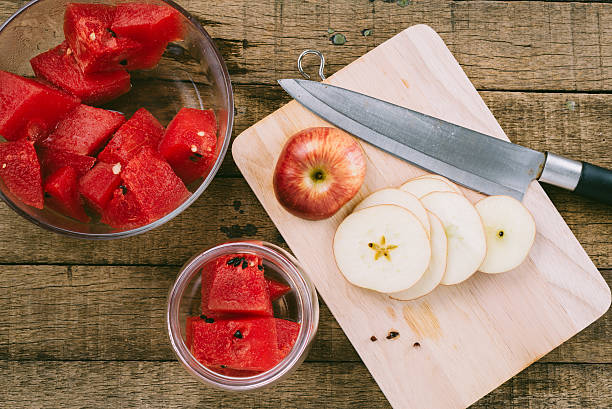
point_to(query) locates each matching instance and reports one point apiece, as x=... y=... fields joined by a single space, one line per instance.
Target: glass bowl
x=191 y=73
x=300 y=304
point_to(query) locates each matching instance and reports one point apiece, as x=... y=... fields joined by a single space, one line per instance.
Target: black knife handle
x=583 y=178
x=595 y=182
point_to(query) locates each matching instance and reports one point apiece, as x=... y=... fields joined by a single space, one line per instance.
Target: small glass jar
x=300 y=305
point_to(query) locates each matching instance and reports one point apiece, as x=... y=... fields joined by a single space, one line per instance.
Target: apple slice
x=467 y=245
x=510 y=231
x=437 y=265
x=452 y=185
x=384 y=248
x=423 y=186
x=399 y=198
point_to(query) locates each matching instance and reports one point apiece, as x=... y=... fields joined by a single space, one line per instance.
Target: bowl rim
x=205 y=183
x=298 y=280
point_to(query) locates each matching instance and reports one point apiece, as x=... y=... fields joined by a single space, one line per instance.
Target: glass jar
x=300 y=305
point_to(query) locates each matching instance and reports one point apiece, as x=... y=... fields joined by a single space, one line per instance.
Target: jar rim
x=295 y=277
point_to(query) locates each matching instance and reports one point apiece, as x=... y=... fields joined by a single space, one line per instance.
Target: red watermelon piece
x=59 y=67
x=153 y=26
x=238 y=287
x=146 y=23
x=244 y=344
x=84 y=130
x=286 y=335
x=276 y=289
x=190 y=143
x=123 y=211
x=98 y=185
x=96 y=48
x=153 y=184
x=141 y=130
x=62 y=194
x=20 y=172
x=147 y=58
x=30 y=109
x=52 y=159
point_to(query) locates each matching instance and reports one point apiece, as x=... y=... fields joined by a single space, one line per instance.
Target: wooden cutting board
x=459 y=342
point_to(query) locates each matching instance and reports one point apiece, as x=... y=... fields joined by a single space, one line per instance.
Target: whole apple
x=318 y=171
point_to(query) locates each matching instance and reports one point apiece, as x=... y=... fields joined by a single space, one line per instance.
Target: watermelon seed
x=68 y=51
x=3 y=165
x=260 y=268
x=238 y=334
x=231 y=261
x=116 y=168
x=112 y=33
x=46 y=194
x=195 y=157
x=194 y=148
x=209 y=320
x=392 y=334
x=123 y=189
x=223 y=366
x=92 y=36
x=238 y=261
x=123 y=62
x=244 y=264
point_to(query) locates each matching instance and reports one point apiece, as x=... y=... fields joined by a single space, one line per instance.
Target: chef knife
x=472 y=159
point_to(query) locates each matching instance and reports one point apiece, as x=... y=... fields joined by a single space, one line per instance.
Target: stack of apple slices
x=407 y=241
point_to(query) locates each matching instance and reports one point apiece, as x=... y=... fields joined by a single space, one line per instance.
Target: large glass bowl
x=191 y=74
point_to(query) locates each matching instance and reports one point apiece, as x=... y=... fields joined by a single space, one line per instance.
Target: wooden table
x=82 y=323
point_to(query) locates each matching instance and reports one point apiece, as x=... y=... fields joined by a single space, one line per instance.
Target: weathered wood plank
x=313 y=385
x=117 y=313
x=228 y=209
x=570 y=124
x=501 y=45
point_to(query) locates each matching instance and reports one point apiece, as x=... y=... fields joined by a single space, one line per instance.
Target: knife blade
x=469 y=158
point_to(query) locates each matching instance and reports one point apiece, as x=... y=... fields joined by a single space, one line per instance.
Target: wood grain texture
x=514 y=46
x=502 y=45
x=313 y=385
x=467 y=326
x=229 y=209
x=117 y=313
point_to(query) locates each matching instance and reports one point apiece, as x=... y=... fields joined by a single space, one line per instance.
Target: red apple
x=318 y=171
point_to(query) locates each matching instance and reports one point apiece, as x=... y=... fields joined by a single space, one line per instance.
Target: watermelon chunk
x=84 y=130
x=123 y=211
x=52 y=159
x=153 y=26
x=245 y=344
x=276 y=289
x=20 y=172
x=62 y=194
x=96 y=48
x=154 y=185
x=146 y=23
x=148 y=58
x=141 y=130
x=59 y=67
x=98 y=185
x=30 y=109
x=190 y=142
x=238 y=287
x=286 y=335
